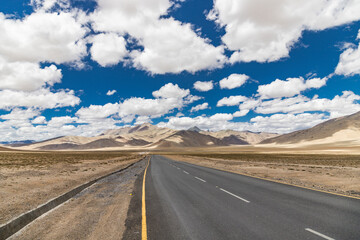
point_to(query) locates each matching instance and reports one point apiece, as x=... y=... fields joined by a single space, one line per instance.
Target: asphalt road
x=185 y=201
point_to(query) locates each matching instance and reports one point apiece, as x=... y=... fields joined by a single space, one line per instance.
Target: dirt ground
x=30 y=179
x=98 y=212
x=341 y=177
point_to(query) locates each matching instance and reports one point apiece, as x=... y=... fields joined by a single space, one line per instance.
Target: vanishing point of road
x=186 y=201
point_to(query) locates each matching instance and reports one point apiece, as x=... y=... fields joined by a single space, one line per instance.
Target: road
x=185 y=201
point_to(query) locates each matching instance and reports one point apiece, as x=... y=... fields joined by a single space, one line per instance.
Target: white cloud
x=219 y=121
x=97 y=111
x=265 y=31
x=218 y=117
x=203 y=86
x=199 y=107
x=108 y=49
x=340 y=105
x=142 y=119
x=42 y=99
x=233 y=81
x=149 y=107
x=349 y=63
x=48 y=4
x=290 y=87
x=284 y=123
x=231 y=101
x=170 y=90
x=39 y=120
x=111 y=92
x=241 y=113
x=27 y=76
x=42 y=37
x=277 y=123
x=169 y=46
x=20 y=114
x=167 y=98
x=61 y=121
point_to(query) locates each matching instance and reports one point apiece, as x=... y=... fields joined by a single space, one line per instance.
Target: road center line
x=242 y=199
x=186 y=172
x=319 y=234
x=200 y=179
x=143 y=212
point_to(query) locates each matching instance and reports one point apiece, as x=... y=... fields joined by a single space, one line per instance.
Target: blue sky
x=274 y=66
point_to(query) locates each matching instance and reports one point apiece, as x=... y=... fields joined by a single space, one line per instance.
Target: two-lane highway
x=185 y=201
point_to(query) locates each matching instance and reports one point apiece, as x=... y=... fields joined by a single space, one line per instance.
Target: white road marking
x=178 y=168
x=319 y=234
x=243 y=199
x=200 y=179
x=186 y=172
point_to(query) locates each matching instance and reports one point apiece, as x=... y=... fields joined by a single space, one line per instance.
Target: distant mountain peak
x=194 y=129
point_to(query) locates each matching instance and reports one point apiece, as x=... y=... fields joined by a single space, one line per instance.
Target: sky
x=80 y=67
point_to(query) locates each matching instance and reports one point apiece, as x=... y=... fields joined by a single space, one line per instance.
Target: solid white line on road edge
x=186 y=172
x=319 y=234
x=200 y=179
x=234 y=195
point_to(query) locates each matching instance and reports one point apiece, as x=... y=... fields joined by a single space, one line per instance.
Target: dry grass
x=28 y=179
x=40 y=159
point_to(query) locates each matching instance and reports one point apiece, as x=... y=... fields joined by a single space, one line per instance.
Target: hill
x=341 y=129
x=189 y=138
x=149 y=136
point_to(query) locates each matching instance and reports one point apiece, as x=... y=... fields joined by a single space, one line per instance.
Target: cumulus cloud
x=166 y=99
x=42 y=37
x=349 y=62
x=39 y=120
x=277 y=123
x=233 y=81
x=169 y=46
x=203 y=86
x=241 y=113
x=108 y=49
x=199 y=107
x=231 y=101
x=256 y=33
x=340 y=105
x=61 y=121
x=284 y=123
x=290 y=87
x=20 y=114
x=171 y=91
x=97 y=111
x=49 y=4
x=111 y=92
x=27 y=76
x=41 y=99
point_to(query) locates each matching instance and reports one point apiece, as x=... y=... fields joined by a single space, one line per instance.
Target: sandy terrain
x=98 y=212
x=30 y=179
x=341 y=177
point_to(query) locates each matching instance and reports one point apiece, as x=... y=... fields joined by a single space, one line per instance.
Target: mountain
x=246 y=136
x=194 y=129
x=342 y=129
x=189 y=138
x=5 y=149
x=149 y=136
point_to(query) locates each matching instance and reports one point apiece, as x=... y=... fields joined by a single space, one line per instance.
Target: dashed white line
x=319 y=234
x=186 y=172
x=242 y=199
x=200 y=179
